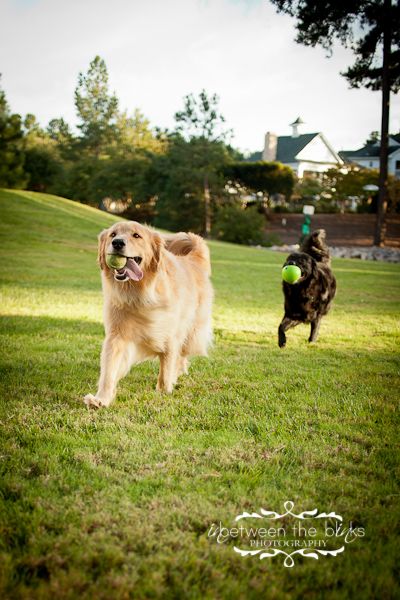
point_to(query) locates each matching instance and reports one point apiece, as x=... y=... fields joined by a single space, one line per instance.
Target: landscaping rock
x=391 y=255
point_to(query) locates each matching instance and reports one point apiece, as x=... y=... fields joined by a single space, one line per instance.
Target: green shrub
x=42 y=168
x=272 y=239
x=240 y=226
x=326 y=206
x=282 y=209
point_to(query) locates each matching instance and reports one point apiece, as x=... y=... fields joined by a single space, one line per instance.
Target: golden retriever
x=158 y=305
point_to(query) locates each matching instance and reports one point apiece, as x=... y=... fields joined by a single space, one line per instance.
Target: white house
x=368 y=156
x=307 y=153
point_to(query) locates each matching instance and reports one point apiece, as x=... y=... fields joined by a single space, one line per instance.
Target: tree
x=97 y=109
x=267 y=177
x=42 y=156
x=11 y=147
x=373 y=139
x=342 y=184
x=41 y=167
x=133 y=133
x=125 y=180
x=60 y=132
x=372 y=29
x=32 y=126
x=308 y=188
x=178 y=179
x=77 y=180
x=201 y=120
x=35 y=135
x=394 y=195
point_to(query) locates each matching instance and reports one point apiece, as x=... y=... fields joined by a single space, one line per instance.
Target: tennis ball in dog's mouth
x=291 y=273
x=114 y=261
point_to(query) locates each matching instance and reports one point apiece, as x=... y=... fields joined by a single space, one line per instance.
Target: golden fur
x=167 y=314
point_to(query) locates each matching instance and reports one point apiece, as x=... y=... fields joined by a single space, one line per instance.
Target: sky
x=157 y=51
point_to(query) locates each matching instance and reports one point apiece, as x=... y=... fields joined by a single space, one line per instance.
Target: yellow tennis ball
x=291 y=273
x=114 y=261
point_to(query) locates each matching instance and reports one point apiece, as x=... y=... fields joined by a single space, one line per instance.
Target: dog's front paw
x=164 y=389
x=92 y=402
x=281 y=340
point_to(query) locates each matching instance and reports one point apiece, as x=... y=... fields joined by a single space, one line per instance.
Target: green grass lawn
x=117 y=503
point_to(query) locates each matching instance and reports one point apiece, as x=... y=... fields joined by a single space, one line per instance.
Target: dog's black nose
x=118 y=244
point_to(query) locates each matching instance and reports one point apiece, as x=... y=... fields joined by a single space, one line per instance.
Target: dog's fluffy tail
x=315 y=246
x=183 y=244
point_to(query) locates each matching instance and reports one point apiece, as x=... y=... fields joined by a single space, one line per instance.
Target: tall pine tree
x=97 y=109
x=203 y=126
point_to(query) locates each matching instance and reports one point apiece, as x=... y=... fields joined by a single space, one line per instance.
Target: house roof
x=288 y=147
x=368 y=151
x=255 y=156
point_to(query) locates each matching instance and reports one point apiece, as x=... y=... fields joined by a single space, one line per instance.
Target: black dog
x=308 y=300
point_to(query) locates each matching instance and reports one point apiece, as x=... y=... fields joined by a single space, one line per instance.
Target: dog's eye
x=136 y=235
x=113 y=234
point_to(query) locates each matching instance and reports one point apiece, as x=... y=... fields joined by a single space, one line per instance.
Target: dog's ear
x=157 y=246
x=102 y=249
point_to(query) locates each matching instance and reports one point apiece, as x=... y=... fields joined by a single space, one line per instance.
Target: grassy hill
x=117 y=503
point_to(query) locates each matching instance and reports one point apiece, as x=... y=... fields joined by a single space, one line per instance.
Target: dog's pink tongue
x=133 y=270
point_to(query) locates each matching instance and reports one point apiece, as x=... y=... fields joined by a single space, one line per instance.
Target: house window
x=397 y=165
x=371 y=163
